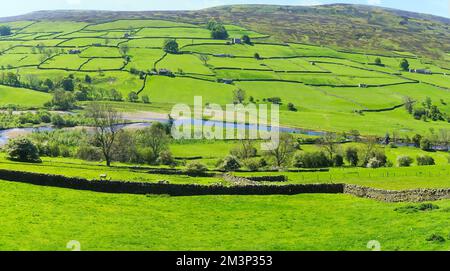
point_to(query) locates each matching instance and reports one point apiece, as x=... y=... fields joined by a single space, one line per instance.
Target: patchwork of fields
x=324 y=84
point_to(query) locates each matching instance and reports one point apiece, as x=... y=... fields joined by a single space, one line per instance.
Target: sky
x=18 y=7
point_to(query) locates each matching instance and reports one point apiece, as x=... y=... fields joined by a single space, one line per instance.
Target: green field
x=47 y=218
x=22 y=97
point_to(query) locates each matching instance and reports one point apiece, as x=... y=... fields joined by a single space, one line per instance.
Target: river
x=6 y=135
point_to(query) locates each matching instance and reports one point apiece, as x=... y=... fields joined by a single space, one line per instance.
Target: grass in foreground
x=45 y=218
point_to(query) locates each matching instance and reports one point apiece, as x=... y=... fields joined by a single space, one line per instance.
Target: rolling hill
x=342 y=25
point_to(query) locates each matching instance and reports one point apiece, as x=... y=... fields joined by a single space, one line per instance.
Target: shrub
x=274 y=100
x=425 y=160
x=435 y=238
x=64 y=151
x=426 y=145
x=63 y=100
x=351 y=155
x=338 y=160
x=427 y=207
x=374 y=163
x=263 y=163
x=145 y=99
x=133 y=97
x=291 y=107
x=312 y=160
x=58 y=121
x=196 y=168
x=89 y=153
x=424 y=207
x=252 y=164
x=53 y=150
x=245 y=150
x=231 y=163
x=23 y=150
x=404 y=161
x=165 y=158
x=378 y=158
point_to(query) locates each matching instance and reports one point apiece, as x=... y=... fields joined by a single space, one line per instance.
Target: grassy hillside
x=323 y=83
x=350 y=26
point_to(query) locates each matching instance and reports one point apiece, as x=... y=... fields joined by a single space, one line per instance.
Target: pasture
x=23 y=98
x=47 y=218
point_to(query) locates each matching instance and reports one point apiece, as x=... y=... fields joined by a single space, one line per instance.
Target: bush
x=435 y=238
x=231 y=163
x=312 y=160
x=425 y=160
x=89 y=153
x=338 y=160
x=378 y=158
x=263 y=163
x=404 y=161
x=427 y=207
x=244 y=151
x=133 y=97
x=351 y=155
x=23 y=150
x=374 y=163
x=426 y=145
x=424 y=207
x=291 y=107
x=165 y=158
x=64 y=151
x=252 y=164
x=145 y=99
x=196 y=168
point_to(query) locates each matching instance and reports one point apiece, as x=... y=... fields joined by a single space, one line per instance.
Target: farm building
x=236 y=41
x=74 y=52
x=165 y=72
x=421 y=71
x=226 y=81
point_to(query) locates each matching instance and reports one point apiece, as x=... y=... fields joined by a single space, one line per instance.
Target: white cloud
x=374 y=2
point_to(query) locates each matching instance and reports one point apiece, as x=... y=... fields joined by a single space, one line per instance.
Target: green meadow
x=46 y=218
x=22 y=97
